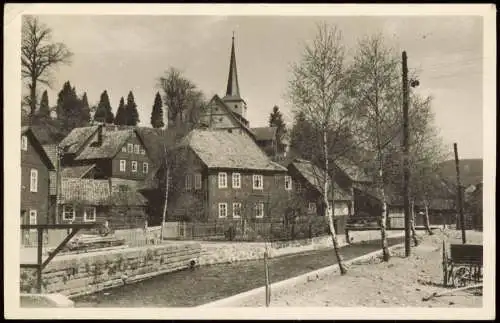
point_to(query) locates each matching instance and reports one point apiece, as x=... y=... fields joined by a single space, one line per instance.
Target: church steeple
x=233 y=88
x=233 y=98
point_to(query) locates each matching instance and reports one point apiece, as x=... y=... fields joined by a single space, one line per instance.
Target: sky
x=130 y=52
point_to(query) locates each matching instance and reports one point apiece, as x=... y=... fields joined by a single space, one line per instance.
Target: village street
x=398 y=283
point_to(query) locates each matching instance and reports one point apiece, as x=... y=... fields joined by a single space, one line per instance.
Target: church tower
x=232 y=98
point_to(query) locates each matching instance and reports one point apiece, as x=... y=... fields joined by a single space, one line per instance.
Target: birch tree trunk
x=383 y=221
x=427 y=222
x=413 y=231
x=327 y=214
x=165 y=204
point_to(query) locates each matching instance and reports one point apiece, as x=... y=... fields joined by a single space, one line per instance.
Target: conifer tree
x=69 y=108
x=44 y=110
x=276 y=120
x=131 y=108
x=157 y=112
x=103 y=111
x=121 y=113
x=85 y=110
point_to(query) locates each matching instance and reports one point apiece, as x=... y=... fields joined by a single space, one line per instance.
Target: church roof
x=233 y=88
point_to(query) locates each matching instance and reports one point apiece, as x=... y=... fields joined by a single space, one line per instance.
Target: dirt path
x=401 y=282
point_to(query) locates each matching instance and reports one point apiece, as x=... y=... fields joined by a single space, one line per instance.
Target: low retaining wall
x=75 y=275
x=259 y=293
x=228 y=252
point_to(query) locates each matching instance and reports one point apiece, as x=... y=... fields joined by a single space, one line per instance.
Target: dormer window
x=124 y=149
x=136 y=149
x=24 y=143
x=130 y=148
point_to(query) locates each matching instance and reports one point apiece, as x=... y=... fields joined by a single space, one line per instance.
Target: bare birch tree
x=39 y=55
x=316 y=90
x=376 y=91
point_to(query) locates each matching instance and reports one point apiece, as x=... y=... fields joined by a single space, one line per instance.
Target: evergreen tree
x=121 y=113
x=85 y=110
x=131 y=108
x=43 y=113
x=157 y=112
x=103 y=111
x=276 y=120
x=69 y=108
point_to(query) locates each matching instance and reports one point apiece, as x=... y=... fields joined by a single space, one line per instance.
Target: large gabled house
x=35 y=169
x=225 y=176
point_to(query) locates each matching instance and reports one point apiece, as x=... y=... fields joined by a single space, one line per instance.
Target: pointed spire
x=233 y=89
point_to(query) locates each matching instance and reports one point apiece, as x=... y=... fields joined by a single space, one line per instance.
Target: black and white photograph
x=249 y=159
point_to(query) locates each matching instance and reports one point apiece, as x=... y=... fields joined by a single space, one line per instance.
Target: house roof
x=315 y=177
x=151 y=180
x=97 y=192
x=76 y=171
x=27 y=131
x=264 y=133
x=234 y=115
x=353 y=171
x=75 y=140
x=228 y=149
x=51 y=151
x=112 y=141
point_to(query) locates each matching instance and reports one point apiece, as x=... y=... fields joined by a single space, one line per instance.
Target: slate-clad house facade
x=226 y=176
x=35 y=168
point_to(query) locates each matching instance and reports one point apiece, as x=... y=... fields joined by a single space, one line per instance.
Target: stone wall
x=80 y=274
x=228 y=252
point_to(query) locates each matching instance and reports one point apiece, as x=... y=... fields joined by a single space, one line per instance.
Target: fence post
x=192 y=229
x=310 y=230
x=268 y=288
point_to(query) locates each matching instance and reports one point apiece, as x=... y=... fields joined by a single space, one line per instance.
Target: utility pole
x=58 y=182
x=406 y=171
x=459 y=192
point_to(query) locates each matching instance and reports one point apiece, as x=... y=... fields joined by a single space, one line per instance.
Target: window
x=298 y=187
x=145 y=168
x=222 y=210
x=34 y=180
x=122 y=188
x=33 y=218
x=222 y=180
x=143 y=152
x=258 y=183
x=259 y=210
x=89 y=214
x=134 y=166
x=136 y=149
x=312 y=207
x=276 y=180
x=288 y=183
x=187 y=183
x=24 y=143
x=197 y=181
x=123 y=165
x=124 y=149
x=236 y=180
x=130 y=148
x=68 y=213
x=236 y=210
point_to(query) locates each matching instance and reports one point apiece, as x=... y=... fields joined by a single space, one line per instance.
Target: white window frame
x=311 y=207
x=24 y=143
x=65 y=206
x=143 y=151
x=137 y=149
x=254 y=178
x=134 y=169
x=222 y=180
x=298 y=187
x=187 y=182
x=33 y=180
x=197 y=181
x=288 y=183
x=223 y=207
x=123 y=165
x=145 y=167
x=33 y=214
x=238 y=183
x=124 y=149
x=85 y=214
x=130 y=148
x=236 y=206
x=259 y=206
